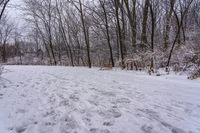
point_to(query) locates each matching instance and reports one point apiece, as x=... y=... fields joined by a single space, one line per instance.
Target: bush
x=195 y=74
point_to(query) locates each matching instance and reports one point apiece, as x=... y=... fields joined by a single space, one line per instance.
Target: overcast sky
x=16 y=16
x=14 y=12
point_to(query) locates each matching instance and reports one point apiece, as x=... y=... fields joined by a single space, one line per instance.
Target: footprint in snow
x=64 y=103
x=87 y=121
x=69 y=123
x=96 y=130
x=49 y=113
x=139 y=95
x=21 y=111
x=108 y=123
x=20 y=129
x=74 y=98
x=45 y=129
x=122 y=101
x=147 y=128
x=188 y=110
x=1 y=96
x=111 y=94
x=93 y=102
x=37 y=83
x=50 y=124
x=172 y=128
x=150 y=114
x=111 y=113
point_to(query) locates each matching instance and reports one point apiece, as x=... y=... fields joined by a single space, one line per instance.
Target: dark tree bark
x=86 y=35
x=50 y=34
x=64 y=35
x=117 y=4
x=131 y=13
x=152 y=31
x=107 y=31
x=167 y=27
x=144 y=25
x=179 y=25
x=123 y=28
x=3 y=3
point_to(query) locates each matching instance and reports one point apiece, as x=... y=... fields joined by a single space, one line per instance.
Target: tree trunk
x=132 y=20
x=4 y=52
x=4 y=7
x=64 y=35
x=167 y=27
x=119 y=32
x=86 y=35
x=50 y=34
x=107 y=33
x=179 y=25
x=152 y=33
x=144 y=25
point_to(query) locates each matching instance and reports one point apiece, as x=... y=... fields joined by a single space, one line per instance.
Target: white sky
x=14 y=11
x=15 y=15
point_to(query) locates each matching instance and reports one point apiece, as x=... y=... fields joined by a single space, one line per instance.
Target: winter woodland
x=100 y=66
x=130 y=34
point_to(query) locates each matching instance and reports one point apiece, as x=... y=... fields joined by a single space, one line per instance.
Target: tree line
x=126 y=33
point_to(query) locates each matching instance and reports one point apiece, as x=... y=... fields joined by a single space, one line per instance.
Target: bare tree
x=144 y=24
x=5 y=33
x=131 y=13
x=3 y=4
x=102 y=3
x=117 y=7
x=75 y=32
x=179 y=22
x=169 y=12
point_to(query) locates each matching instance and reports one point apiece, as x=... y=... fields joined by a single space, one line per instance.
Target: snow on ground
x=43 y=99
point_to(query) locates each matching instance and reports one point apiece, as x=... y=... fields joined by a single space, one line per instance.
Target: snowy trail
x=42 y=99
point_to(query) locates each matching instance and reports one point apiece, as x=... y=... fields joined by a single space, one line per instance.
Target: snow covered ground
x=43 y=99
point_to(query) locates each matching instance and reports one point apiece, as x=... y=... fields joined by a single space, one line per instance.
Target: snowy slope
x=42 y=99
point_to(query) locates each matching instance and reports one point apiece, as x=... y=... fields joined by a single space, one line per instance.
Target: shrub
x=195 y=74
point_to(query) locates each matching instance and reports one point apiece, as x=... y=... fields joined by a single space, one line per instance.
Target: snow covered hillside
x=43 y=99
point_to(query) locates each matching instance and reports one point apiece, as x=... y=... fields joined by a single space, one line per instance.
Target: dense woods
x=131 y=34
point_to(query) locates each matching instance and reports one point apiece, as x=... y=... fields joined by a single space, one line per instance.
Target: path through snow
x=42 y=99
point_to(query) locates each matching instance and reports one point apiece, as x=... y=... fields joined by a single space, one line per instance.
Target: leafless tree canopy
x=3 y=4
x=132 y=34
